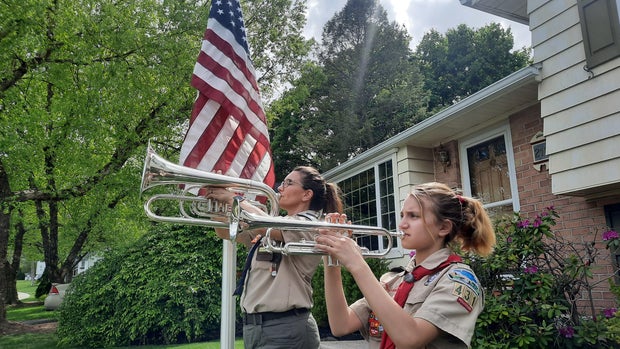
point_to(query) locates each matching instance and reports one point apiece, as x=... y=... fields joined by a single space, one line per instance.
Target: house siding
x=579 y=108
x=414 y=166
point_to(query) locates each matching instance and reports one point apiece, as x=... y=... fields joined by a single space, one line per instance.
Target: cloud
x=418 y=17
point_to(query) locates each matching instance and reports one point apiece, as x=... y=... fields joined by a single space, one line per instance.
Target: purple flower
x=610 y=312
x=509 y=239
x=537 y=222
x=610 y=235
x=531 y=269
x=524 y=224
x=412 y=253
x=567 y=331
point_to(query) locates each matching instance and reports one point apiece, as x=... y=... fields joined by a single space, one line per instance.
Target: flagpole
x=227 y=329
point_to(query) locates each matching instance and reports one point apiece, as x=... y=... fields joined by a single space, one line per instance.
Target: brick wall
x=580 y=219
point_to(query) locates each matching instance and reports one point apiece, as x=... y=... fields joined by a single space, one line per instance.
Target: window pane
x=360 y=197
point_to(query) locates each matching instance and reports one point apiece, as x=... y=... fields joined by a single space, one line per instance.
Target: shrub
x=165 y=289
x=538 y=289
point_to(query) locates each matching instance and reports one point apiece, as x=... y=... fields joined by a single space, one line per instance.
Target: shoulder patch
x=465 y=277
x=465 y=296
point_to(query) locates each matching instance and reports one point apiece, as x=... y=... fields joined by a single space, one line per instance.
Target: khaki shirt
x=451 y=300
x=291 y=287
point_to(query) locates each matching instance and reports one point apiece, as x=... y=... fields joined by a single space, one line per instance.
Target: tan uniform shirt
x=451 y=299
x=291 y=287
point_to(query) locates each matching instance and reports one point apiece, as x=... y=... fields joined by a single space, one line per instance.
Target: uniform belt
x=259 y=318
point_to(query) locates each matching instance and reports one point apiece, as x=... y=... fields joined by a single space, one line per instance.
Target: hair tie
x=461 y=199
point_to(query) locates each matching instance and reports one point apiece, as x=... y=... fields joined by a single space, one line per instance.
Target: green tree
x=464 y=61
x=373 y=90
x=364 y=90
x=288 y=114
x=83 y=85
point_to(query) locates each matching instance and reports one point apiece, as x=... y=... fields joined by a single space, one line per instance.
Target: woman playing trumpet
x=276 y=296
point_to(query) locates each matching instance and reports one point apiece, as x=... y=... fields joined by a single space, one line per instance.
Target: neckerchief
x=405 y=287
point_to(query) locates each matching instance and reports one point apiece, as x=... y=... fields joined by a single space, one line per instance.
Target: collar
x=436 y=258
x=310 y=215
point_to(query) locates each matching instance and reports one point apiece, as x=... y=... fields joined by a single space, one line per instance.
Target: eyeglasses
x=287 y=182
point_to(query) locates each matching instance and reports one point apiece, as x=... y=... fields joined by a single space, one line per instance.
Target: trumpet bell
x=193 y=208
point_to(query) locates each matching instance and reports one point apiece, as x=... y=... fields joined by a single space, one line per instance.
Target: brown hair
x=471 y=225
x=326 y=195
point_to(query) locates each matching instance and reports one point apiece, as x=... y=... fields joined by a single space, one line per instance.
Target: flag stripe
x=227 y=52
x=228 y=130
x=236 y=113
x=227 y=91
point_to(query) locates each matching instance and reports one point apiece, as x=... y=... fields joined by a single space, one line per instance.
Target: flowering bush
x=611 y=239
x=533 y=282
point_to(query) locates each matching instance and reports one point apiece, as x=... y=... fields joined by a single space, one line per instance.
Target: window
x=369 y=200
x=489 y=171
x=600 y=26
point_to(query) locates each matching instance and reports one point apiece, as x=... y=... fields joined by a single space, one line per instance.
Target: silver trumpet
x=244 y=220
x=195 y=209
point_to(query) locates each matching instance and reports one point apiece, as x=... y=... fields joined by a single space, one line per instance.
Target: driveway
x=22 y=295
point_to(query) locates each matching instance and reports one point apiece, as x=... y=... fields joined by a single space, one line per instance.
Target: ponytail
x=326 y=196
x=471 y=225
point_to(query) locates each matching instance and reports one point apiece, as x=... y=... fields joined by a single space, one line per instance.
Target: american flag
x=228 y=128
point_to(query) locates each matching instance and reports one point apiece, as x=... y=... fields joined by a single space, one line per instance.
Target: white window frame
x=512 y=175
x=397 y=250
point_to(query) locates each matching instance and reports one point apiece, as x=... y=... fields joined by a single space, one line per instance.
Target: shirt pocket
x=416 y=298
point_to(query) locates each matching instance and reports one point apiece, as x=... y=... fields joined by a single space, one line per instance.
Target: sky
x=419 y=17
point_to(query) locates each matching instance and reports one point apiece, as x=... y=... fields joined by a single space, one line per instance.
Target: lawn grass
x=29 y=311
x=49 y=341
x=27 y=286
x=33 y=309
x=29 y=341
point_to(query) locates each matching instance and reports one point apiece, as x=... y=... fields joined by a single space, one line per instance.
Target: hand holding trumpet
x=222 y=195
x=338 y=243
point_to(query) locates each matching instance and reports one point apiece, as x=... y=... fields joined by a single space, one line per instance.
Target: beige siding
x=589 y=177
x=586 y=154
x=582 y=114
x=580 y=109
x=564 y=60
x=544 y=11
x=587 y=91
x=557 y=44
x=415 y=166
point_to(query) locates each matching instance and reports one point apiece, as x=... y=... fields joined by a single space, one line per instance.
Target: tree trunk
x=10 y=295
x=5 y=219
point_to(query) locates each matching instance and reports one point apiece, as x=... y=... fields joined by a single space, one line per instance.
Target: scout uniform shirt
x=450 y=299
x=279 y=285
